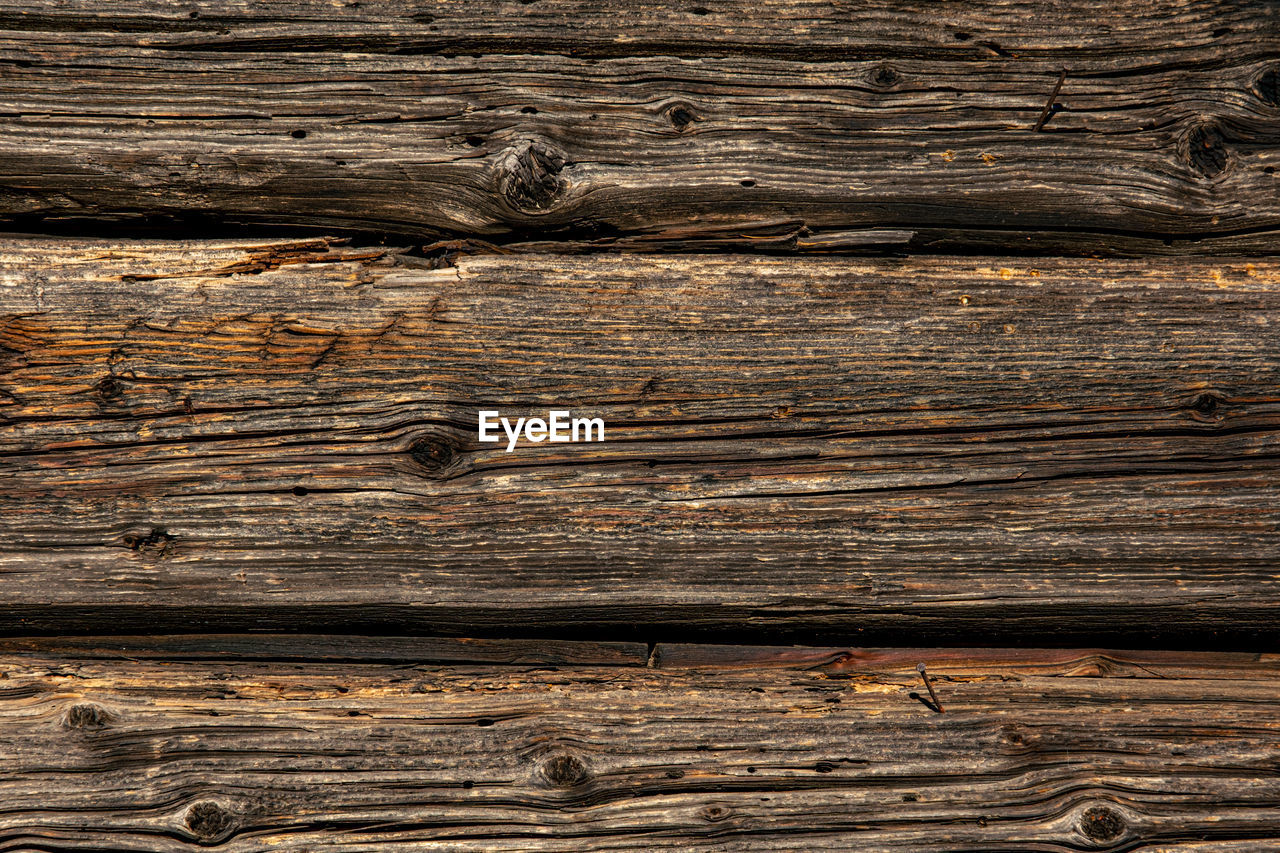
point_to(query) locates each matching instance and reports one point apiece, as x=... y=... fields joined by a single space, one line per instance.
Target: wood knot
x=1267 y=87
x=1206 y=149
x=529 y=176
x=432 y=455
x=715 y=814
x=155 y=543
x=564 y=770
x=1016 y=737
x=681 y=115
x=209 y=821
x=884 y=76
x=86 y=715
x=109 y=388
x=1101 y=824
x=1207 y=407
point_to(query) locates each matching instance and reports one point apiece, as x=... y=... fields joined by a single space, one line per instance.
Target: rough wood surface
x=654 y=123
x=227 y=436
x=346 y=648
x=1046 y=751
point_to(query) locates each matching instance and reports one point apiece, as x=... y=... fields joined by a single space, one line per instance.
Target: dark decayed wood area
x=924 y=333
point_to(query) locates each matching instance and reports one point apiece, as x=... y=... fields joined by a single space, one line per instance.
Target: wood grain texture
x=1046 y=751
x=221 y=437
x=656 y=123
x=342 y=648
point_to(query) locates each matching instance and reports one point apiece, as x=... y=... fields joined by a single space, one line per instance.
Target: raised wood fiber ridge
x=705 y=748
x=236 y=435
x=792 y=126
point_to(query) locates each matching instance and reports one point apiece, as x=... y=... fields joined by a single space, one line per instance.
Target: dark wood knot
x=564 y=770
x=433 y=455
x=1207 y=150
x=209 y=821
x=1267 y=86
x=681 y=115
x=109 y=388
x=1101 y=824
x=884 y=76
x=529 y=176
x=86 y=715
x=1207 y=406
x=157 y=542
x=715 y=814
x=1013 y=735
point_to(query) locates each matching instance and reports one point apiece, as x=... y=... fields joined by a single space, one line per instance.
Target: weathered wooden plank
x=1127 y=34
x=668 y=125
x=1058 y=752
x=1100 y=663
x=344 y=648
x=219 y=437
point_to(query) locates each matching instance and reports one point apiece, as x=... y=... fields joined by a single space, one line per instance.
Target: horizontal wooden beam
x=660 y=126
x=764 y=750
x=977 y=32
x=340 y=648
x=229 y=436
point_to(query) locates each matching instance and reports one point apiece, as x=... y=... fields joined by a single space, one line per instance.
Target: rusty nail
x=929 y=686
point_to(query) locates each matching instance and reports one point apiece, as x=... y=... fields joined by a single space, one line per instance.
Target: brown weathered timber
x=346 y=648
x=658 y=123
x=216 y=437
x=1050 y=751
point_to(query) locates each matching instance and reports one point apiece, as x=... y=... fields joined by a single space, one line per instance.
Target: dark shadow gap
x=1064 y=626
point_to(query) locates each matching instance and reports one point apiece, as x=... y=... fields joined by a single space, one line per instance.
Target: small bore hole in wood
x=299 y=134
